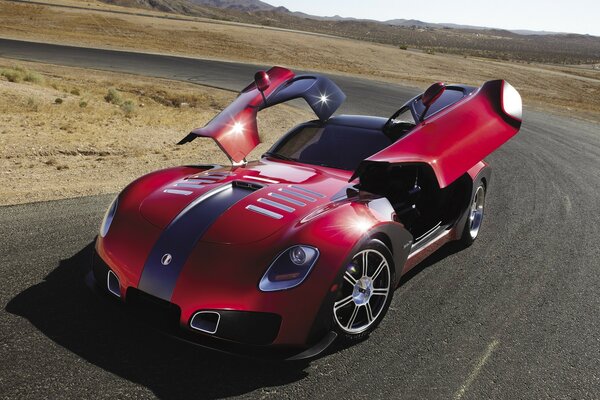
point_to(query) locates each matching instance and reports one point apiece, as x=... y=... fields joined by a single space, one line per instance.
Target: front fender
x=340 y=232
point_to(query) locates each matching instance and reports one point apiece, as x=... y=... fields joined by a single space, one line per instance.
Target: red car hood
x=279 y=194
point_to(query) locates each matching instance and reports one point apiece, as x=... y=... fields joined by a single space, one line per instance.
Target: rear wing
x=235 y=129
x=458 y=137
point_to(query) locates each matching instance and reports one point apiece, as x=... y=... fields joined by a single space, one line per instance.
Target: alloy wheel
x=364 y=292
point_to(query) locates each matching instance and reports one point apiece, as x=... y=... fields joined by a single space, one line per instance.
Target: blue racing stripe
x=180 y=237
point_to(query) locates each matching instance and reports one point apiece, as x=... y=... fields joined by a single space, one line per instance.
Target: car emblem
x=166 y=259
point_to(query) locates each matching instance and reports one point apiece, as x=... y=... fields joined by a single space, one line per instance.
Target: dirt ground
x=61 y=138
x=558 y=88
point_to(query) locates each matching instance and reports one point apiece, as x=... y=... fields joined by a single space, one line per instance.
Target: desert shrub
x=19 y=74
x=113 y=97
x=75 y=92
x=33 y=77
x=128 y=108
x=13 y=75
x=83 y=104
x=177 y=99
x=32 y=104
x=403 y=47
x=58 y=100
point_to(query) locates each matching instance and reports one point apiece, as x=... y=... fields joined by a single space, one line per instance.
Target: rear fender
x=481 y=173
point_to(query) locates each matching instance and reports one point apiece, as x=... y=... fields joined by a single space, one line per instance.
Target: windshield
x=336 y=146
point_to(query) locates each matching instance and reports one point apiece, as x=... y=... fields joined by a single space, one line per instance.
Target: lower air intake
x=112 y=283
x=206 y=321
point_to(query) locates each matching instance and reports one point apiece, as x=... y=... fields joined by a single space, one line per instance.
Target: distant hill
x=244 y=5
x=465 y=40
x=257 y=5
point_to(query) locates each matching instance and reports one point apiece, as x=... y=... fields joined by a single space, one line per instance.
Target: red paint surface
x=457 y=138
x=224 y=269
x=235 y=129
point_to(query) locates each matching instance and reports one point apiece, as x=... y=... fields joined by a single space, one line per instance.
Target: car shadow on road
x=64 y=309
x=100 y=331
x=446 y=250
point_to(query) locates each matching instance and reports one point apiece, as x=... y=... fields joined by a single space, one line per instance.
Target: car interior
x=414 y=193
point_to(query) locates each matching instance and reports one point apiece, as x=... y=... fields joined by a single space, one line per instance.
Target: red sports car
x=308 y=243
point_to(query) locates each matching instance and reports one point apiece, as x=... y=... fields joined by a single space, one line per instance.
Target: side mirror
x=432 y=93
x=262 y=80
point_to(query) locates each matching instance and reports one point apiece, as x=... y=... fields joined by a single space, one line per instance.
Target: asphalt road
x=517 y=315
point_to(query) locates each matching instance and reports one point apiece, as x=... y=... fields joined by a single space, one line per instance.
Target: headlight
x=289 y=269
x=108 y=217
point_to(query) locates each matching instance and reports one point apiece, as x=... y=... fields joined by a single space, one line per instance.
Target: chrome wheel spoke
x=352 y=317
x=370 y=316
x=365 y=263
x=349 y=278
x=378 y=270
x=342 y=303
x=380 y=291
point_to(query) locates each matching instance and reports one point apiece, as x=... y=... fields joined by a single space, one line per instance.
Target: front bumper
x=246 y=333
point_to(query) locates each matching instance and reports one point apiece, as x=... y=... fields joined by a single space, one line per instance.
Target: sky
x=575 y=16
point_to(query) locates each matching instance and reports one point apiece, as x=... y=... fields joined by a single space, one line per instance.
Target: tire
x=364 y=294
x=475 y=218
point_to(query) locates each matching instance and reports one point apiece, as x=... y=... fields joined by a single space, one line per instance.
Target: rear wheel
x=473 y=224
x=365 y=292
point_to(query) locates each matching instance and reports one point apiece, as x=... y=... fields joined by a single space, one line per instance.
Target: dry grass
x=53 y=150
x=557 y=88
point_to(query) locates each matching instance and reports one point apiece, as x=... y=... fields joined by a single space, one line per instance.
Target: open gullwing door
x=457 y=137
x=235 y=128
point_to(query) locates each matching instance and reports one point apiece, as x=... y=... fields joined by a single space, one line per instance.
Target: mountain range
x=463 y=40
x=257 y=5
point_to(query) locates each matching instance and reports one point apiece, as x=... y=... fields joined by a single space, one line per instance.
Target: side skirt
x=426 y=246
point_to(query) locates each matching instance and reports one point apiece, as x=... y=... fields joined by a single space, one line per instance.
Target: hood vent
x=184 y=187
x=285 y=200
x=264 y=211
x=247 y=185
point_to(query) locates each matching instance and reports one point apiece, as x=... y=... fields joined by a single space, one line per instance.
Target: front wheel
x=365 y=291
x=473 y=224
